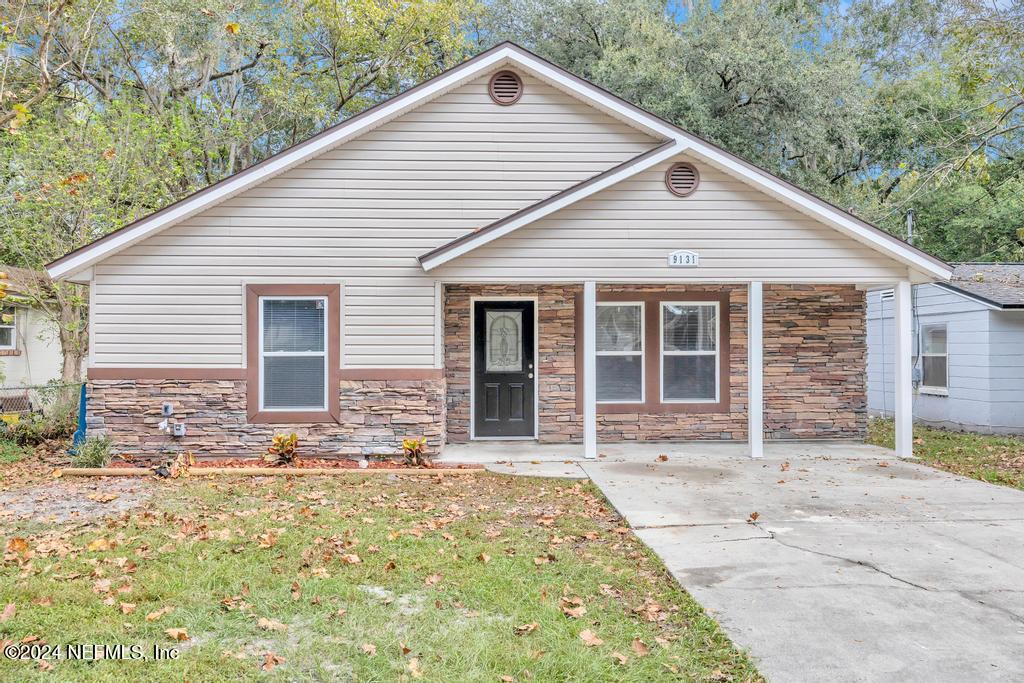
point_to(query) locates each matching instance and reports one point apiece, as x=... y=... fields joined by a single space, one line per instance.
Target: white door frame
x=472 y=368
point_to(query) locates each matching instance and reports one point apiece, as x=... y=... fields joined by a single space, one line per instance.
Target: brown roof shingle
x=1001 y=284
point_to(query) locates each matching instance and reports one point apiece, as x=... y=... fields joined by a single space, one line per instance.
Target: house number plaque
x=683 y=259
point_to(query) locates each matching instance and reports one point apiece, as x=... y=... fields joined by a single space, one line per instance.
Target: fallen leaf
x=8 y=612
x=526 y=628
x=270 y=660
x=296 y=591
x=153 y=616
x=176 y=633
x=431 y=580
x=640 y=648
x=483 y=557
x=127 y=607
x=414 y=668
x=573 y=607
x=102 y=497
x=590 y=638
x=753 y=517
x=543 y=559
x=351 y=558
x=405 y=649
x=369 y=648
x=271 y=625
x=620 y=658
x=98 y=545
x=662 y=458
x=232 y=28
x=784 y=466
x=17 y=545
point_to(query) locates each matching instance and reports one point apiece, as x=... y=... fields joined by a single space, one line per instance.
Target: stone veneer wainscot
x=375 y=416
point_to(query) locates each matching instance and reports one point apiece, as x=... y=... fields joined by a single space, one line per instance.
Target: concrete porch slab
x=484 y=452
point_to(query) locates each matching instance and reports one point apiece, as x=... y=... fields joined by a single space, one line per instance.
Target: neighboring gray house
x=968 y=350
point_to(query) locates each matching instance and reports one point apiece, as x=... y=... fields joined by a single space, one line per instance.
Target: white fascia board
x=570 y=197
x=835 y=219
x=276 y=165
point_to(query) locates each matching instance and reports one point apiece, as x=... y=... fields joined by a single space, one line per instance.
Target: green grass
x=995 y=459
x=422 y=590
x=11 y=452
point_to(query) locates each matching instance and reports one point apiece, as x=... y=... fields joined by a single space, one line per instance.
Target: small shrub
x=93 y=452
x=11 y=452
x=416 y=452
x=283 y=449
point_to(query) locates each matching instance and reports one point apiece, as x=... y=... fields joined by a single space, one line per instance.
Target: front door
x=503 y=372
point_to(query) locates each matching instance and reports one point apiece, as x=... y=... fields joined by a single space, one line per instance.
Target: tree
x=119 y=107
x=72 y=176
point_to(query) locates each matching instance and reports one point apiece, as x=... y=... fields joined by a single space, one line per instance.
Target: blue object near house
x=968 y=350
x=79 y=436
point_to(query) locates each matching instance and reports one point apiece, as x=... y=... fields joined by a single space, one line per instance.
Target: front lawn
x=995 y=459
x=469 y=578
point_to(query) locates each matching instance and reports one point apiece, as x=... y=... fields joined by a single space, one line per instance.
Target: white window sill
x=934 y=391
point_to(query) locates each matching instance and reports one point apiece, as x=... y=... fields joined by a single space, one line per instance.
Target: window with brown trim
x=293 y=352
x=682 y=352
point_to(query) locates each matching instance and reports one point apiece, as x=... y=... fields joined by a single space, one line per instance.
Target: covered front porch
x=761 y=361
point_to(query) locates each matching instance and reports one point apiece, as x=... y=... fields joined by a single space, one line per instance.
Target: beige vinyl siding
x=625 y=233
x=359 y=214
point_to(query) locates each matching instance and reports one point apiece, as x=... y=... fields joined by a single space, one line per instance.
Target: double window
x=685 y=336
x=934 y=359
x=8 y=329
x=293 y=353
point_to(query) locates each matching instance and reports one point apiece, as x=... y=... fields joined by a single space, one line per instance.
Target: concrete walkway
x=858 y=567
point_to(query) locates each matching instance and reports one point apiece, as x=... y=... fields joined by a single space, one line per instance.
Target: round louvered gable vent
x=682 y=179
x=505 y=87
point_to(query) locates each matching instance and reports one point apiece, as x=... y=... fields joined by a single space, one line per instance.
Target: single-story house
x=968 y=342
x=505 y=251
x=29 y=350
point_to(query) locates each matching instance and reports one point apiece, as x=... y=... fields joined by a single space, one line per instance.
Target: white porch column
x=589 y=370
x=755 y=368
x=903 y=385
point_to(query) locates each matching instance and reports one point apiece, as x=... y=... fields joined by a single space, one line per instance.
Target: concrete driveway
x=859 y=567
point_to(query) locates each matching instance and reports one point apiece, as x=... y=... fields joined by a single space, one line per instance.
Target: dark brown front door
x=503 y=372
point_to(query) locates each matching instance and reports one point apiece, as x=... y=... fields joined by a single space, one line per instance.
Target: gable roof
x=678 y=140
x=999 y=285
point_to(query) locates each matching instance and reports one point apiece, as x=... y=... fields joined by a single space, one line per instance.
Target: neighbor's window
x=689 y=352
x=8 y=331
x=934 y=359
x=293 y=353
x=620 y=353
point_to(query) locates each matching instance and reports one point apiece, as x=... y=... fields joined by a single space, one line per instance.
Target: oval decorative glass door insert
x=504 y=345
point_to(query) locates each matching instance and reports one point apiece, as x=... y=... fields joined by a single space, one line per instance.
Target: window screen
x=689 y=347
x=293 y=354
x=934 y=357
x=620 y=354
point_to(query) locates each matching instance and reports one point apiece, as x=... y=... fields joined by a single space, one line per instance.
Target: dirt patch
x=61 y=500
